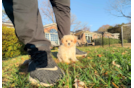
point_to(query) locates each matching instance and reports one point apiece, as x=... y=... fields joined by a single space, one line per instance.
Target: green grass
x=94 y=71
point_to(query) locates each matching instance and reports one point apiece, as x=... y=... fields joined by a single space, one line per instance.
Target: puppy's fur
x=68 y=49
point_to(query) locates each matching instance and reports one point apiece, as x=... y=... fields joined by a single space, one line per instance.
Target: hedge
x=11 y=46
x=106 y=41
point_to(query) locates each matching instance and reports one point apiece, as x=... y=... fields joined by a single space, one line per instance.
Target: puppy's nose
x=68 y=43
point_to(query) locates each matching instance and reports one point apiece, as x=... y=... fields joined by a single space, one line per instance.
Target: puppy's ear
x=75 y=39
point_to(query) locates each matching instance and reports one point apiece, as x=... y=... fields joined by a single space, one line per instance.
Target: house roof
x=49 y=25
x=81 y=32
x=8 y=24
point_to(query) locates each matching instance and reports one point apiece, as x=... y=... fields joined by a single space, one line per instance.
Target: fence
x=126 y=34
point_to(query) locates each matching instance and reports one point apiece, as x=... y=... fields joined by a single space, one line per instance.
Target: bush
x=11 y=46
x=106 y=41
x=125 y=41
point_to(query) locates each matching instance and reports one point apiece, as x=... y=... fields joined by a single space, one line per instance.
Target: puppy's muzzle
x=68 y=43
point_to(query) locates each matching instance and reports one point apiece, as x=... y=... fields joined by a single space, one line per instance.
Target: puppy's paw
x=74 y=60
x=77 y=60
x=67 y=62
x=60 y=60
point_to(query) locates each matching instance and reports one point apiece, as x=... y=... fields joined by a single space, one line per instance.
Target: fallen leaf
x=21 y=73
x=67 y=63
x=115 y=85
x=88 y=51
x=83 y=56
x=99 y=55
x=123 y=53
x=22 y=58
x=95 y=72
x=78 y=83
x=105 y=73
x=56 y=60
x=113 y=62
x=89 y=58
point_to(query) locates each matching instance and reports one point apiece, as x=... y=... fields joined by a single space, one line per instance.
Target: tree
x=5 y=17
x=47 y=11
x=103 y=28
x=77 y=25
x=120 y=8
x=126 y=31
x=86 y=28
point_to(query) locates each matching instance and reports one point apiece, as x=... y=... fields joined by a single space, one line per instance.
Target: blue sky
x=94 y=13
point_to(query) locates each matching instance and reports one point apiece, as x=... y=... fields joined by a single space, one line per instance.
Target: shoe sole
x=82 y=55
x=37 y=83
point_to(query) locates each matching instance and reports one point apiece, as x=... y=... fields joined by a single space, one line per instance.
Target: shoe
x=43 y=70
x=80 y=53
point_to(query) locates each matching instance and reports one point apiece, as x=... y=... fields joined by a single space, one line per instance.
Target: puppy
x=68 y=49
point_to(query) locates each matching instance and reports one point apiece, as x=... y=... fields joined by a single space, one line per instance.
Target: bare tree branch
x=47 y=11
x=77 y=25
x=5 y=17
x=119 y=7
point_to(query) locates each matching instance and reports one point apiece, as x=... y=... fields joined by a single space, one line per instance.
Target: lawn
x=108 y=67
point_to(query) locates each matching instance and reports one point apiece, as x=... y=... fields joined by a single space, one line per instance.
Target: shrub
x=125 y=41
x=106 y=41
x=11 y=46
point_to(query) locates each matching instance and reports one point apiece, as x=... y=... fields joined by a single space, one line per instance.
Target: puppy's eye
x=66 y=40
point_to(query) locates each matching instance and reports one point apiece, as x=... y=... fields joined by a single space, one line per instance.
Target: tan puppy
x=68 y=49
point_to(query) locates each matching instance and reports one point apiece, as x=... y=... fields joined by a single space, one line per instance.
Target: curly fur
x=68 y=49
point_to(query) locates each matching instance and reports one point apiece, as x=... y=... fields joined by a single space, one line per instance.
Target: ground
x=103 y=67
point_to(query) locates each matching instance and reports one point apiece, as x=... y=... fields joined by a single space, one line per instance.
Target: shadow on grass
x=23 y=68
x=54 y=54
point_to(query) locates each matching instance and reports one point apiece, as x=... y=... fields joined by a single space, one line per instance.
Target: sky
x=94 y=13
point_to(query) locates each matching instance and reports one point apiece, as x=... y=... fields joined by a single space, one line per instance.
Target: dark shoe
x=43 y=70
x=80 y=53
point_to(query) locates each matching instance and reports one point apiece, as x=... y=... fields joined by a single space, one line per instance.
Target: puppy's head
x=69 y=40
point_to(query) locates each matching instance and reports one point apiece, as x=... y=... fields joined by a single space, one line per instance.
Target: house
x=52 y=34
x=115 y=35
x=7 y=24
x=49 y=29
x=96 y=35
x=111 y=35
x=72 y=33
x=84 y=37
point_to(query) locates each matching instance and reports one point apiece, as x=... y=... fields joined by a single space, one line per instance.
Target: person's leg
x=26 y=19
x=25 y=16
x=62 y=13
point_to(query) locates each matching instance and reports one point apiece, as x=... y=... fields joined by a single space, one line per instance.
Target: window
x=53 y=31
x=53 y=36
x=47 y=35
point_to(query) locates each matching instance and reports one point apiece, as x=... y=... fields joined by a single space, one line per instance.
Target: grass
x=96 y=70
